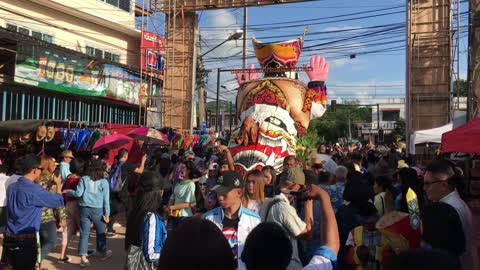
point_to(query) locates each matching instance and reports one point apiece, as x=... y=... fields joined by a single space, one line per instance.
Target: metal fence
x=18 y=102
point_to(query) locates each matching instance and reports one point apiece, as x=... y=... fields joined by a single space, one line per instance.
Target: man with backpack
x=122 y=180
x=281 y=211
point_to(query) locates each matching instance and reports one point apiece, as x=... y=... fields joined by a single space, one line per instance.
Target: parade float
x=274 y=110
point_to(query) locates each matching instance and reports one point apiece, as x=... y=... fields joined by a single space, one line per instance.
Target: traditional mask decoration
x=277 y=108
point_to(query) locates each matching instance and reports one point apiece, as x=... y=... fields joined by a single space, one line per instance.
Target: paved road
x=116 y=244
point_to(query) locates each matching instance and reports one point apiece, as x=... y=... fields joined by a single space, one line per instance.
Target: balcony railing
x=385 y=125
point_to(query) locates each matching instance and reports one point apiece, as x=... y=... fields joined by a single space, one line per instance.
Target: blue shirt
x=94 y=194
x=25 y=200
x=64 y=170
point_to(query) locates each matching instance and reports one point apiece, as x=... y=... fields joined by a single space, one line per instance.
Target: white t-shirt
x=322 y=259
x=469 y=259
x=254 y=206
x=3 y=189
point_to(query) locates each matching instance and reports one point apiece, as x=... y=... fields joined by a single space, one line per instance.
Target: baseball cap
x=188 y=153
x=213 y=167
x=294 y=175
x=227 y=181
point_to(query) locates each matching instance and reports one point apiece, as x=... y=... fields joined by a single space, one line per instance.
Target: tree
x=462 y=85
x=398 y=133
x=334 y=125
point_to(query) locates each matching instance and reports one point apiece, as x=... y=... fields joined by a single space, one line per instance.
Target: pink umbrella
x=149 y=135
x=111 y=141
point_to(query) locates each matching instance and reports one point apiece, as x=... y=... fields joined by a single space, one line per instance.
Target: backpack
x=115 y=179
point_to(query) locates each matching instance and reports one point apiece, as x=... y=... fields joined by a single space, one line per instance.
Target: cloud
x=343 y=27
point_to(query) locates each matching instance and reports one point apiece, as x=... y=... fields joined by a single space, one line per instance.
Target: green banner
x=55 y=70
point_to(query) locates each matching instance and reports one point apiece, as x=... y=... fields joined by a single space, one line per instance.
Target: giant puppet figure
x=277 y=108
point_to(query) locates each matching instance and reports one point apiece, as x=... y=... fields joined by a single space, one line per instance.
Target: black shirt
x=230 y=231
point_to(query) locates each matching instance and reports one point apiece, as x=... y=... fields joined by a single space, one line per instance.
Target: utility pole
x=378 y=116
x=349 y=127
x=201 y=89
x=244 y=58
x=230 y=118
x=218 y=99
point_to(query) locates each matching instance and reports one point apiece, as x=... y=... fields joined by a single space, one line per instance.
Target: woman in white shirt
x=254 y=195
x=382 y=184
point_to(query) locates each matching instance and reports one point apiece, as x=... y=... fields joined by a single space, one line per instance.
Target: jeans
x=48 y=237
x=73 y=221
x=88 y=216
x=21 y=253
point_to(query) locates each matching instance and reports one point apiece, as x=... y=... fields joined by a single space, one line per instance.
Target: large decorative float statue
x=277 y=108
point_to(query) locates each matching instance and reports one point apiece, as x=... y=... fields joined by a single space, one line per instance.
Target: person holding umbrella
x=122 y=181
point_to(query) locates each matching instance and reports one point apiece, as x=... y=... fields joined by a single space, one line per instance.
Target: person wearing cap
x=67 y=157
x=281 y=211
x=234 y=220
x=189 y=155
x=146 y=232
x=213 y=171
x=317 y=165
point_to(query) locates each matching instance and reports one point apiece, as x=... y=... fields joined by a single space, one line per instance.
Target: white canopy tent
x=433 y=135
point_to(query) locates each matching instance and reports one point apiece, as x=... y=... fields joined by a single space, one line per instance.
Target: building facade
x=75 y=60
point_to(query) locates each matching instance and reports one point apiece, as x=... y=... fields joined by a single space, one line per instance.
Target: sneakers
x=85 y=263
x=107 y=254
x=91 y=252
x=111 y=234
x=64 y=260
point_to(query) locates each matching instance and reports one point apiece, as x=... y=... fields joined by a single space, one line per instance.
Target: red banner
x=153 y=50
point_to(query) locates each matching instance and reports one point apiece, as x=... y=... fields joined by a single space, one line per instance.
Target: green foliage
x=461 y=86
x=334 y=125
x=398 y=134
x=306 y=146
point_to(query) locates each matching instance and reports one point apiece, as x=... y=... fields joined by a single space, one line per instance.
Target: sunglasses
x=202 y=184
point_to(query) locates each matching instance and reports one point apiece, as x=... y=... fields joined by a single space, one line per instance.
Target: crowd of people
x=346 y=208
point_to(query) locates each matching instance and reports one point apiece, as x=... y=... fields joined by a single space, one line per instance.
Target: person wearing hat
x=281 y=211
x=146 y=232
x=234 y=220
x=67 y=157
x=317 y=165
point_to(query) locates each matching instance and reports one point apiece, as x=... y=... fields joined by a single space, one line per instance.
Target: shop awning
x=462 y=139
x=19 y=126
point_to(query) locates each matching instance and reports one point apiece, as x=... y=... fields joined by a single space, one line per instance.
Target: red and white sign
x=153 y=50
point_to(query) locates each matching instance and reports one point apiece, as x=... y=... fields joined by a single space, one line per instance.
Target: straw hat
x=41 y=133
x=26 y=137
x=68 y=154
x=50 y=133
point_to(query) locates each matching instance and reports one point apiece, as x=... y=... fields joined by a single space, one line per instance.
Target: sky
x=371 y=30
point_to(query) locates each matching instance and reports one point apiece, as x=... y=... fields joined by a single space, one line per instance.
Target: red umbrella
x=149 y=135
x=111 y=141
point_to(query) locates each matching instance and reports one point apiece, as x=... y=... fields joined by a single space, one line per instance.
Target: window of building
x=29 y=32
x=121 y=4
x=102 y=54
x=390 y=115
x=12 y=27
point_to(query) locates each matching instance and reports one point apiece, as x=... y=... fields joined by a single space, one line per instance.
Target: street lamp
x=236 y=35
